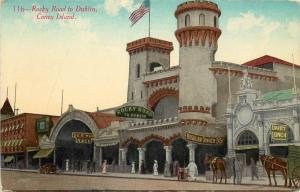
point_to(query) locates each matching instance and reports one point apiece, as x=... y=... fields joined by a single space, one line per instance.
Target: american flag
x=140 y=12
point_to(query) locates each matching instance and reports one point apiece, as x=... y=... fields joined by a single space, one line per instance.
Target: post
x=141 y=157
x=168 y=154
x=192 y=147
x=261 y=136
x=54 y=156
x=149 y=19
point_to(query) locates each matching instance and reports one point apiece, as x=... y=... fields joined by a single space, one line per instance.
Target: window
x=138 y=71
x=155 y=66
x=202 y=19
x=131 y=95
x=215 y=21
x=187 y=20
x=248 y=138
x=141 y=94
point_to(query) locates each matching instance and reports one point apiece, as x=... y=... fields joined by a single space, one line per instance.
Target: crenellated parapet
x=198 y=35
x=149 y=44
x=196 y=5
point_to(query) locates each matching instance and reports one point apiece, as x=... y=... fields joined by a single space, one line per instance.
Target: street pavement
x=31 y=180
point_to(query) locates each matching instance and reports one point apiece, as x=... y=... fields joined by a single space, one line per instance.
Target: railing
x=154 y=122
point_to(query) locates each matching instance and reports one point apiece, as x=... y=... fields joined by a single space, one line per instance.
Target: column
x=122 y=156
x=26 y=159
x=100 y=158
x=168 y=154
x=192 y=147
x=230 y=150
x=296 y=126
x=54 y=156
x=261 y=137
x=141 y=157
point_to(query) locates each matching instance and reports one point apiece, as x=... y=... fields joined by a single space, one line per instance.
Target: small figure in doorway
x=104 y=167
x=167 y=169
x=175 y=168
x=67 y=165
x=155 y=168
x=133 y=167
x=253 y=168
x=142 y=167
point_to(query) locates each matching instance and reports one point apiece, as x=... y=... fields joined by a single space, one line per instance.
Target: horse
x=273 y=164
x=216 y=163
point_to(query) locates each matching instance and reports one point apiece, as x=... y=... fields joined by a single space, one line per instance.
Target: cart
x=293 y=165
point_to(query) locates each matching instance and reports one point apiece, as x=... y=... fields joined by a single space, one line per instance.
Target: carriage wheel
x=296 y=177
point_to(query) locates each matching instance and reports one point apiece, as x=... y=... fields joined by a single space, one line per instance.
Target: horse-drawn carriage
x=290 y=169
x=48 y=168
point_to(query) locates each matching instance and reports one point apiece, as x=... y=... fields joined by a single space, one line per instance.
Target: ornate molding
x=192 y=109
x=149 y=44
x=163 y=81
x=197 y=34
x=193 y=122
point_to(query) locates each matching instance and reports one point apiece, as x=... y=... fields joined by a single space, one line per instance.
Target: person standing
x=233 y=170
x=253 y=168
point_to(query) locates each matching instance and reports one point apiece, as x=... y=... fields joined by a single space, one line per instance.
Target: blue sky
x=87 y=57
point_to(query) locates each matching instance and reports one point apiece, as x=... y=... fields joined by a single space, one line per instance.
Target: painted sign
x=43 y=125
x=205 y=140
x=278 y=132
x=135 y=112
x=85 y=138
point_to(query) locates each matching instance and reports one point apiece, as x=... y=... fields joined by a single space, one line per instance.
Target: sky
x=87 y=58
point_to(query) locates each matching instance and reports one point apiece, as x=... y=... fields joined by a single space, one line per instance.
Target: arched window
x=153 y=66
x=138 y=71
x=215 y=21
x=248 y=138
x=202 y=19
x=187 y=20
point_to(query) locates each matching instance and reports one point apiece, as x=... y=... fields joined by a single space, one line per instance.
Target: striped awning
x=43 y=153
x=8 y=159
x=20 y=142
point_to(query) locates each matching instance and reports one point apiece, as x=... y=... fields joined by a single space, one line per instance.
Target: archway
x=111 y=154
x=132 y=155
x=247 y=143
x=74 y=148
x=180 y=152
x=155 y=151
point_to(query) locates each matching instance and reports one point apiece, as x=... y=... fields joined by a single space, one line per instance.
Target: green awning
x=8 y=159
x=20 y=142
x=43 y=153
x=8 y=143
x=246 y=147
x=30 y=149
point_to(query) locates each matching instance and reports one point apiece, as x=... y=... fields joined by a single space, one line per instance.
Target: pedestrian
x=239 y=168
x=253 y=168
x=143 y=169
x=104 y=167
x=233 y=170
x=155 y=168
x=88 y=165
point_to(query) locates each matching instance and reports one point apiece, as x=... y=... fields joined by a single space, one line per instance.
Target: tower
x=145 y=55
x=197 y=33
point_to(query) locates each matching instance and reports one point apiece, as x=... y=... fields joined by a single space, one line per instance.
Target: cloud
x=112 y=7
x=249 y=21
x=293 y=28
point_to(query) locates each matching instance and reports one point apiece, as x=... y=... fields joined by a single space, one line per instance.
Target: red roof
x=6 y=108
x=103 y=120
x=267 y=59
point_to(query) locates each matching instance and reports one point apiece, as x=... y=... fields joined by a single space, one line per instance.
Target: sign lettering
x=85 y=138
x=135 y=112
x=278 y=132
x=205 y=140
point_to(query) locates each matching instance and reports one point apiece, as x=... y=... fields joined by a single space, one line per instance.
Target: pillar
x=122 y=156
x=296 y=126
x=168 y=154
x=192 y=147
x=141 y=157
x=230 y=150
x=54 y=156
x=26 y=159
x=261 y=137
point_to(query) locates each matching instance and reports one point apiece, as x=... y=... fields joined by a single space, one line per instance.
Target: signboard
x=279 y=132
x=135 y=112
x=85 y=138
x=205 y=140
x=43 y=125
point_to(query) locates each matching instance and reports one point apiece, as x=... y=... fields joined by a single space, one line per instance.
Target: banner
x=135 y=112
x=85 y=138
x=205 y=140
x=279 y=132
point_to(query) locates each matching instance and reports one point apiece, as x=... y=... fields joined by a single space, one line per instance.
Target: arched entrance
x=111 y=154
x=70 y=145
x=279 y=145
x=132 y=155
x=155 y=151
x=166 y=107
x=248 y=144
x=180 y=152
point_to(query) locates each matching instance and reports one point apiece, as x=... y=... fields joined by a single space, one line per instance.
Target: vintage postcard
x=150 y=95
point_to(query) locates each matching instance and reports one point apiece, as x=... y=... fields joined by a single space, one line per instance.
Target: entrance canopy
x=8 y=159
x=43 y=153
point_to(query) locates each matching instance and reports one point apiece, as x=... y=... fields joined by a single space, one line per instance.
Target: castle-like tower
x=145 y=55
x=197 y=33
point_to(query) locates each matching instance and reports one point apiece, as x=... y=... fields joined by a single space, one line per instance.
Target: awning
x=31 y=149
x=8 y=143
x=8 y=159
x=43 y=153
x=15 y=143
x=246 y=147
x=20 y=142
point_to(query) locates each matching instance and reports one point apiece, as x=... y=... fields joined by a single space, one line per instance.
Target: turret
x=145 y=55
x=197 y=33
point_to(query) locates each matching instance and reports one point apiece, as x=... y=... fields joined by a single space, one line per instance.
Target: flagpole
x=149 y=27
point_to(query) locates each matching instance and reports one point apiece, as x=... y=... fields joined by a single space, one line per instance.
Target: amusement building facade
x=194 y=112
